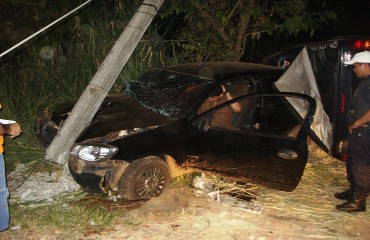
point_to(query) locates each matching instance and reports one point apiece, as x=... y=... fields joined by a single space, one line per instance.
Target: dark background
x=353 y=17
x=20 y=20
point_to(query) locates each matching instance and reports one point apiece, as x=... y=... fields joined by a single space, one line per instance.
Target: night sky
x=353 y=17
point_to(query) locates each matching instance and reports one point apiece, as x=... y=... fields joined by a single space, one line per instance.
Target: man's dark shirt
x=361 y=102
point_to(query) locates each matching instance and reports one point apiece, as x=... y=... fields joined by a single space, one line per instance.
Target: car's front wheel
x=144 y=178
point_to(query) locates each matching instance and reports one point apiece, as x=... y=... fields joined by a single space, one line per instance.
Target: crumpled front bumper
x=107 y=173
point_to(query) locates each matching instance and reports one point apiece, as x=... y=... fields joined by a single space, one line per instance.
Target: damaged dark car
x=137 y=140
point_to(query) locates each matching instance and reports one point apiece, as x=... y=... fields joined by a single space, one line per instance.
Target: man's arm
x=236 y=106
x=13 y=129
x=360 y=122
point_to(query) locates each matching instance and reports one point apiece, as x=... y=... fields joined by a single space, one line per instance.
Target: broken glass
x=168 y=93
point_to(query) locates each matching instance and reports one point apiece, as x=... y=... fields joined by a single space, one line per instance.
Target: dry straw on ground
x=312 y=203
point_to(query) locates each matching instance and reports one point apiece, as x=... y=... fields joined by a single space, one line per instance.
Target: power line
x=45 y=28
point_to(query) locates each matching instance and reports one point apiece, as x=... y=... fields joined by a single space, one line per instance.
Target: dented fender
x=110 y=171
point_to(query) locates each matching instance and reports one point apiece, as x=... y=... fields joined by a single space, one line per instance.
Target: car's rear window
x=168 y=93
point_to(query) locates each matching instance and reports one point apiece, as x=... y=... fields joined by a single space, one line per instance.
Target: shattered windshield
x=168 y=93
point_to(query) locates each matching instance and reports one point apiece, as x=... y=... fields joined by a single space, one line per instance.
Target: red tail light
x=362 y=45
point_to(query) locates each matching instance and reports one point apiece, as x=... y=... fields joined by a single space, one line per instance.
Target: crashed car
x=137 y=140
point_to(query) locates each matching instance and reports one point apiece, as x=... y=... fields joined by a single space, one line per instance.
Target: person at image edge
x=358 y=161
x=13 y=130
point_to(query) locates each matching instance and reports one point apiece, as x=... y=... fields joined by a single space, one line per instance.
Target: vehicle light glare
x=347 y=56
x=93 y=153
x=87 y=154
x=361 y=45
x=367 y=44
x=357 y=44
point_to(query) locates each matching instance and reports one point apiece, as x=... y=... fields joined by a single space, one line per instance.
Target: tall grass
x=58 y=67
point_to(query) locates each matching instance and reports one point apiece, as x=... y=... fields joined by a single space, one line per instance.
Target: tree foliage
x=221 y=29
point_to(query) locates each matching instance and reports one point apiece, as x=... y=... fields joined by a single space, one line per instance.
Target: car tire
x=144 y=178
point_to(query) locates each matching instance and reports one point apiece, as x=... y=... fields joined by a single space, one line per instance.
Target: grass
x=63 y=216
x=69 y=213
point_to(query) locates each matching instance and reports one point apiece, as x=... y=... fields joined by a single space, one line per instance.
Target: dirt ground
x=179 y=214
x=306 y=213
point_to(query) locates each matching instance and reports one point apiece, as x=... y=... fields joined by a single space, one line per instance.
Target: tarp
x=300 y=78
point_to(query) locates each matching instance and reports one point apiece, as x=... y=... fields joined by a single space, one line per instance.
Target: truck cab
x=335 y=80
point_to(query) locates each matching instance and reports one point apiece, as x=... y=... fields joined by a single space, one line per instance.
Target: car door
x=266 y=145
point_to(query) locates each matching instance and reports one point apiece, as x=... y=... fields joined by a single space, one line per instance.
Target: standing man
x=13 y=130
x=358 y=162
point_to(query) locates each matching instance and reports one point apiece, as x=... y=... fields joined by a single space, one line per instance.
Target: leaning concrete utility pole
x=101 y=83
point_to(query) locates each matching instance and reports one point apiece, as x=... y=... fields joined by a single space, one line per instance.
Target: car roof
x=218 y=71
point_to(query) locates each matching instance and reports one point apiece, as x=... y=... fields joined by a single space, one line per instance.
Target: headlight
x=93 y=152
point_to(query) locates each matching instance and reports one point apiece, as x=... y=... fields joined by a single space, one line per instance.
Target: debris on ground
x=40 y=185
x=207 y=187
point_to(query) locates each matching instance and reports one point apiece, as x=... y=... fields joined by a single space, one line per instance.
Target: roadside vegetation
x=72 y=219
x=65 y=216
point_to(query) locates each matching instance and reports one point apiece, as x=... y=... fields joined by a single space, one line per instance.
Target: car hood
x=117 y=112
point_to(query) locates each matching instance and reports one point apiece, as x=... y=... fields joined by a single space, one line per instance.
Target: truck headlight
x=93 y=152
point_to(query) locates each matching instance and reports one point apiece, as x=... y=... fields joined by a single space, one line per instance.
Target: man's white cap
x=361 y=57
